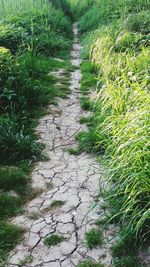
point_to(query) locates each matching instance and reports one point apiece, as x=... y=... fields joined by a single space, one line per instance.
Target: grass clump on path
x=53 y=240
x=57 y=203
x=94 y=238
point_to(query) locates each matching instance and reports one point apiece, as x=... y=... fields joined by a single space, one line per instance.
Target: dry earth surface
x=72 y=179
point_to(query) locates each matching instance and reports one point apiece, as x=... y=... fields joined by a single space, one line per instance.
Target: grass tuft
x=54 y=240
x=94 y=238
x=57 y=203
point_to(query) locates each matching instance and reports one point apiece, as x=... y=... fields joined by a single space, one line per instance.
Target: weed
x=49 y=185
x=57 y=203
x=94 y=238
x=53 y=240
x=74 y=151
x=26 y=260
x=34 y=216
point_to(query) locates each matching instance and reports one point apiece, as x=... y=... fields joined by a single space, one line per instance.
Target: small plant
x=54 y=240
x=74 y=151
x=49 y=185
x=27 y=259
x=34 y=216
x=57 y=203
x=94 y=238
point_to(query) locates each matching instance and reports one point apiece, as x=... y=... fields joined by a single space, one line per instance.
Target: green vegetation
x=27 y=259
x=127 y=262
x=33 y=34
x=115 y=36
x=34 y=215
x=57 y=203
x=53 y=240
x=64 y=5
x=10 y=236
x=94 y=238
x=90 y=264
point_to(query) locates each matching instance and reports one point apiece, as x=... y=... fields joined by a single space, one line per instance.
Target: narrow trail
x=73 y=179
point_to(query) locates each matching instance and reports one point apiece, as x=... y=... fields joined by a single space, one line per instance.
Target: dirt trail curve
x=75 y=180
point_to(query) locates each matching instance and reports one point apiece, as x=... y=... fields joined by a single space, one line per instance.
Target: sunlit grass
x=8 y=7
x=115 y=38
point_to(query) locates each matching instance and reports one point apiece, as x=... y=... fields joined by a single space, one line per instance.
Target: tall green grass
x=115 y=35
x=64 y=5
x=78 y=8
x=37 y=26
x=10 y=7
x=104 y=12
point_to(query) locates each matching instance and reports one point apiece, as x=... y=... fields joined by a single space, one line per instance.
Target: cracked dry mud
x=75 y=180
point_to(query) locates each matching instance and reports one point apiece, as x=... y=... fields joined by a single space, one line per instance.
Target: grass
x=13 y=178
x=10 y=236
x=88 y=81
x=74 y=150
x=85 y=120
x=53 y=240
x=34 y=36
x=88 y=263
x=85 y=103
x=94 y=238
x=57 y=203
x=127 y=262
x=34 y=216
x=9 y=205
x=26 y=260
x=114 y=36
